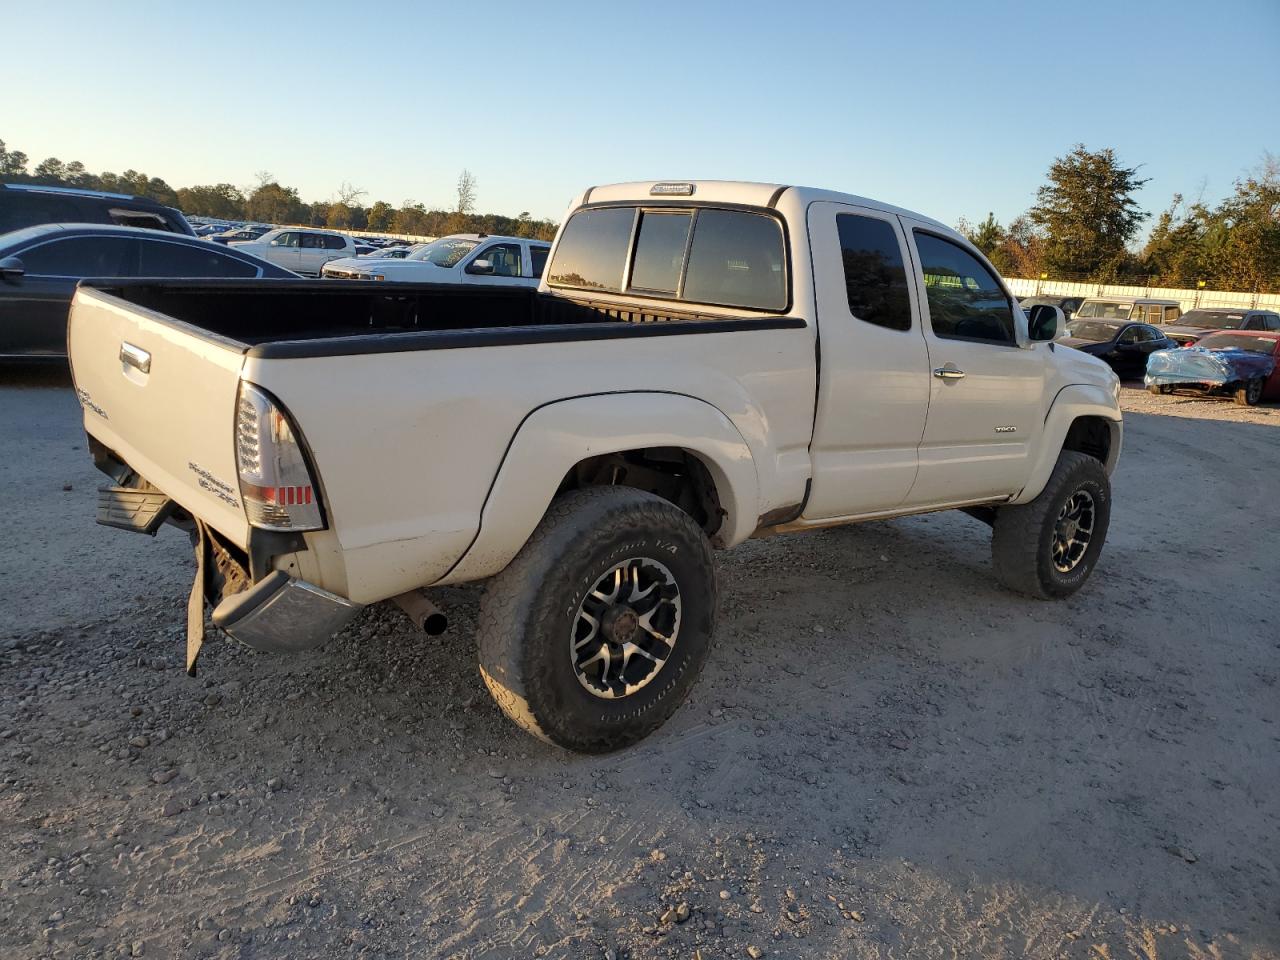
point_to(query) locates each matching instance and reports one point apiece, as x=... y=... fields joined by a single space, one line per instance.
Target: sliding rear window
x=731 y=258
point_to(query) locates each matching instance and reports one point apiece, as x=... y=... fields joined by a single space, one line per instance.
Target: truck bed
x=297 y=318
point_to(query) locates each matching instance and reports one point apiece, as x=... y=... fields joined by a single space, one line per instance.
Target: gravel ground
x=888 y=756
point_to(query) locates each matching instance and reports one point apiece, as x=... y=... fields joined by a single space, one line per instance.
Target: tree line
x=1085 y=218
x=269 y=201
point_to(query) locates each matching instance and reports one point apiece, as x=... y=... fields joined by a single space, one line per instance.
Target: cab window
x=875 y=279
x=505 y=258
x=966 y=302
x=538 y=257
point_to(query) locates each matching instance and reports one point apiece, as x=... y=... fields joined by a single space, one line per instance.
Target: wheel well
x=669 y=472
x=1090 y=435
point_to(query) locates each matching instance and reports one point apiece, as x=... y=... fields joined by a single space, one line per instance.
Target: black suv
x=29 y=205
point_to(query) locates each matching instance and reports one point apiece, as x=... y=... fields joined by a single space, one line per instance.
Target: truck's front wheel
x=1047 y=548
x=594 y=633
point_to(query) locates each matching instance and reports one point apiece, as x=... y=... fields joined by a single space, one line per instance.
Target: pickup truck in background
x=702 y=363
x=459 y=258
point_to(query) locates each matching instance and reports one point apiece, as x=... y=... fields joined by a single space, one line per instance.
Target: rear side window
x=19 y=209
x=80 y=257
x=160 y=259
x=332 y=242
x=874 y=276
x=660 y=246
x=593 y=249
x=139 y=218
x=1171 y=314
x=538 y=257
x=965 y=300
x=736 y=260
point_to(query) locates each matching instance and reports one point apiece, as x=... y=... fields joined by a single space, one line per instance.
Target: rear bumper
x=281 y=614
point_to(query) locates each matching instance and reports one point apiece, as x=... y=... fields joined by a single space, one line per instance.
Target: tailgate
x=162 y=395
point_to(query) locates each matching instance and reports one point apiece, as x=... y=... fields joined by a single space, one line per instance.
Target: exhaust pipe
x=426 y=616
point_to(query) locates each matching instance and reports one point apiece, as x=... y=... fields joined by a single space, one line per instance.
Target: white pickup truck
x=702 y=363
x=458 y=258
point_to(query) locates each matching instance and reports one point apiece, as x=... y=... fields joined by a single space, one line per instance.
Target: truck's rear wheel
x=1047 y=548
x=594 y=633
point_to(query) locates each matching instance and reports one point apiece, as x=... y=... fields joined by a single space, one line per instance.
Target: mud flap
x=195 y=603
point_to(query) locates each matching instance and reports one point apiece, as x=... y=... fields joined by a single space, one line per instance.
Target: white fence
x=1189 y=299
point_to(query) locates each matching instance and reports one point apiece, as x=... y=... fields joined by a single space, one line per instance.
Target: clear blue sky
x=952 y=109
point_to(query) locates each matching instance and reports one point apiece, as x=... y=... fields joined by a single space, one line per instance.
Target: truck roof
x=739 y=192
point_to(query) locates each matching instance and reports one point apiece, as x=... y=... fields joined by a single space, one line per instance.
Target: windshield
x=1212 y=319
x=444 y=252
x=1097 y=331
x=1238 y=341
x=1107 y=309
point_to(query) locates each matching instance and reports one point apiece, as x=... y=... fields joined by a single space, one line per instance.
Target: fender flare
x=1072 y=402
x=558 y=435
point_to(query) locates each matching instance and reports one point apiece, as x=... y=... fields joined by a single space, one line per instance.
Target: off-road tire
x=528 y=612
x=1249 y=393
x=1022 y=536
x=1155 y=389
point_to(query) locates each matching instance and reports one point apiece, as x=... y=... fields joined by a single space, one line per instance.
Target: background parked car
x=28 y=205
x=298 y=249
x=1242 y=365
x=460 y=258
x=1142 y=309
x=1123 y=346
x=40 y=267
x=1068 y=305
x=1194 y=324
x=388 y=253
x=251 y=232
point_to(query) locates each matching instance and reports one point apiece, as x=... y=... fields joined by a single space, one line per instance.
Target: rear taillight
x=275 y=481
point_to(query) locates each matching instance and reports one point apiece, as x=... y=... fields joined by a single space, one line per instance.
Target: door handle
x=135 y=357
x=948 y=373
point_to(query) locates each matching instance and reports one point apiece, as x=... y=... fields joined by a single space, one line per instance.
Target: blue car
x=1222 y=364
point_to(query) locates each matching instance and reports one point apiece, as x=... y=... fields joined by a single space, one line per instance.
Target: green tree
x=13 y=163
x=272 y=203
x=1174 y=252
x=50 y=171
x=1243 y=242
x=986 y=236
x=338 y=216
x=1088 y=213
x=379 y=217
x=221 y=200
x=1020 y=252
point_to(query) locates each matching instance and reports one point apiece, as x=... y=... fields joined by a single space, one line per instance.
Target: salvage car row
x=1213 y=352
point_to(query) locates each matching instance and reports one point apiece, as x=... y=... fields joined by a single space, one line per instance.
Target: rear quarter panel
x=406 y=445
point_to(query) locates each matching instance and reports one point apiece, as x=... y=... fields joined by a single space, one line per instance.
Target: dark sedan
x=1123 y=345
x=40 y=267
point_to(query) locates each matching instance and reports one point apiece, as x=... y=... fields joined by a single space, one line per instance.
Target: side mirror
x=12 y=270
x=1045 y=323
x=481 y=266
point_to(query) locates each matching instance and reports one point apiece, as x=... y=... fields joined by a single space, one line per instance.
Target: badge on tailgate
x=208 y=481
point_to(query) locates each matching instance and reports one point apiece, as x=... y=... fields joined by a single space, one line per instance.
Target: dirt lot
x=887 y=757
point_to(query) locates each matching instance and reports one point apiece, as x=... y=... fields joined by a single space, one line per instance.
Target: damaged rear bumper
x=281 y=614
